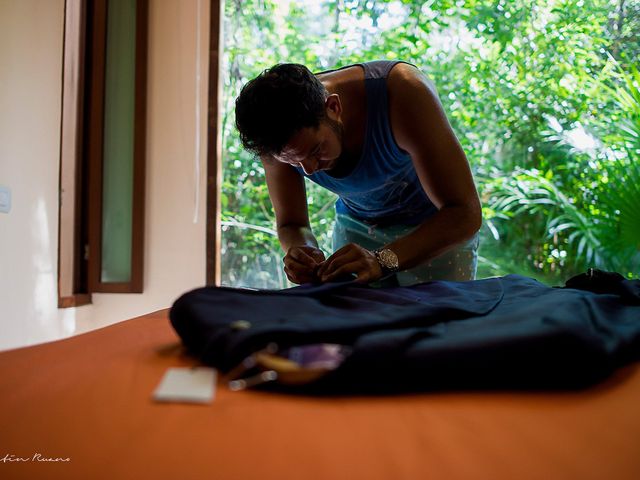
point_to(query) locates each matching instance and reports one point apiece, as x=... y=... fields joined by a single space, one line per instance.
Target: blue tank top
x=383 y=188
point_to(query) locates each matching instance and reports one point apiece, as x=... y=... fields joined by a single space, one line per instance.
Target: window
x=102 y=149
x=543 y=99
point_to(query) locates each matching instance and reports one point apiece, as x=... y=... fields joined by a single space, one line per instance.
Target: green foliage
x=589 y=219
x=622 y=166
x=543 y=96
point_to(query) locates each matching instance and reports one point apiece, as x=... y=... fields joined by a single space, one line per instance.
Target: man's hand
x=301 y=264
x=351 y=259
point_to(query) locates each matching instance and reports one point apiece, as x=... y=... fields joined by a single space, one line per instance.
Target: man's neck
x=349 y=85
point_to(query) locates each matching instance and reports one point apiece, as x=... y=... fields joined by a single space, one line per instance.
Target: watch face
x=388 y=259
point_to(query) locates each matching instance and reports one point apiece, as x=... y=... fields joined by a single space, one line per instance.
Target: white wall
x=31 y=34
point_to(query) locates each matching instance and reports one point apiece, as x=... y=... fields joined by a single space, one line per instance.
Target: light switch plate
x=5 y=199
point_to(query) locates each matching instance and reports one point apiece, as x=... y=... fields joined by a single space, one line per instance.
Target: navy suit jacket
x=502 y=332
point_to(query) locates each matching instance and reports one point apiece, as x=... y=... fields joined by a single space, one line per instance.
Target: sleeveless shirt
x=383 y=187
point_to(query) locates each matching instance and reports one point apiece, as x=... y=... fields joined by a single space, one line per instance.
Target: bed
x=88 y=399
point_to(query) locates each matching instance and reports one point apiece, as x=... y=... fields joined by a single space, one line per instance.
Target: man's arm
x=421 y=128
x=288 y=196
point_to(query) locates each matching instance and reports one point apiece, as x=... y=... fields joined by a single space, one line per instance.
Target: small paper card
x=192 y=385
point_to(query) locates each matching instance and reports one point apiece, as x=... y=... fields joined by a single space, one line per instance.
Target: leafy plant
x=622 y=166
x=518 y=80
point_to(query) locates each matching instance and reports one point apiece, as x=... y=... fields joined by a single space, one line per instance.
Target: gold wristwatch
x=388 y=260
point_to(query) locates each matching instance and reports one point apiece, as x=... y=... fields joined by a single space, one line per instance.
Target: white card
x=193 y=385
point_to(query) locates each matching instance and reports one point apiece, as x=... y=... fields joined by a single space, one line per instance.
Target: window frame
x=214 y=145
x=94 y=154
x=81 y=154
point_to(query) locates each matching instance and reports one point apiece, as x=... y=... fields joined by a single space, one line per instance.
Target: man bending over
x=376 y=135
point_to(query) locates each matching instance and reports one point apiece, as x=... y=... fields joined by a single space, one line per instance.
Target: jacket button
x=240 y=325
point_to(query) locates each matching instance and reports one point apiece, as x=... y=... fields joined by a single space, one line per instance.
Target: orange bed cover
x=88 y=399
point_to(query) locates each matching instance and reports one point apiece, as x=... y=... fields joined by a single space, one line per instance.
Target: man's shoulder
x=404 y=74
x=406 y=83
x=413 y=104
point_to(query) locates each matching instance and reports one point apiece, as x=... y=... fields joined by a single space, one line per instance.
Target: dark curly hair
x=276 y=104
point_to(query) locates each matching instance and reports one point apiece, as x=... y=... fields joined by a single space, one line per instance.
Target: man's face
x=314 y=149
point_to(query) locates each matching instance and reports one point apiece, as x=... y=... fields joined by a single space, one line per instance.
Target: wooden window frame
x=214 y=144
x=81 y=147
x=71 y=275
x=95 y=121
